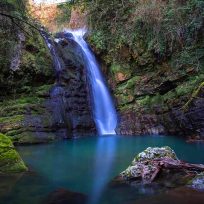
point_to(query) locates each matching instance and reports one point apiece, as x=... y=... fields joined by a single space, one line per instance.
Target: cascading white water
x=104 y=111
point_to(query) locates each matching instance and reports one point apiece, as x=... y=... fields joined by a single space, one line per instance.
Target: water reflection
x=105 y=150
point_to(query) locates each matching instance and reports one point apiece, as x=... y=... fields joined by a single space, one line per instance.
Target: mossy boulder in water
x=142 y=167
x=160 y=165
x=10 y=160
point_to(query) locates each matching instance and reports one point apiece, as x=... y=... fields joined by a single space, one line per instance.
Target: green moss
x=129 y=85
x=125 y=98
x=43 y=90
x=123 y=68
x=157 y=100
x=15 y=132
x=12 y=119
x=184 y=89
x=114 y=68
x=33 y=138
x=10 y=160
x=19 y=106
x=132 y=82
x=169 y=96
x=144 y=101
x=28 y=100
x=193 y=96
x=98 y=40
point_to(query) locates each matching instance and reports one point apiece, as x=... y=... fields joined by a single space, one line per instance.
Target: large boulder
x=10 y=160
x=160 y=165
x=142 y=166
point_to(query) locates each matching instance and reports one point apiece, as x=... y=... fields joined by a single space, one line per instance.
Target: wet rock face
x=70 y=99
x=178 y=121
x=132 y=123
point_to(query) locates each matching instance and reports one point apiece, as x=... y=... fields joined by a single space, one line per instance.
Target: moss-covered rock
x=142 y=162
x=26 y=119
x=162 y=167
x=24 y=57
x=10 y=160
x=30 y=138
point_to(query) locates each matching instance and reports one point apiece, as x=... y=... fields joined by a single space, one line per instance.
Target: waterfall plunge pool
x=87 y=165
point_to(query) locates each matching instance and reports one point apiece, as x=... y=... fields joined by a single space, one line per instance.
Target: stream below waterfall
x=88 y=165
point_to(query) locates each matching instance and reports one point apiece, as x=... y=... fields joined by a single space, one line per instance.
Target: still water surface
x=87 y=165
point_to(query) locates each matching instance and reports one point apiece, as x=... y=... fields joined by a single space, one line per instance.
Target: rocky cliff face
x=165 y=103
x=70 y=98
x=175 y=112
x=52 y=111
x=175 y=121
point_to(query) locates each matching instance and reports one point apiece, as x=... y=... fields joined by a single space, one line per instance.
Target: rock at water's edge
x=160 y=164
x=142 y=168
x=10 y=160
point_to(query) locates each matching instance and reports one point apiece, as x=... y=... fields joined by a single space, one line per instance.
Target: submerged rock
x=160 y=165
x=63 y=196
x=10 y=160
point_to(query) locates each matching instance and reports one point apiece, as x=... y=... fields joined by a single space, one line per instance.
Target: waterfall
x=104 y=112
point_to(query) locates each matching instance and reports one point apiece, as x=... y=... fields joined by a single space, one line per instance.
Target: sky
x=49 y=1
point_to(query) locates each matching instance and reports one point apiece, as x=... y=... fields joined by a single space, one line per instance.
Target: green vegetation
x=17 y=106
x=15 y=114
x=65 y=13
x=149 y=28
x=194 y=95
x=22 y=46
x=25 y=85
x=29 y=138
x=10 y=161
